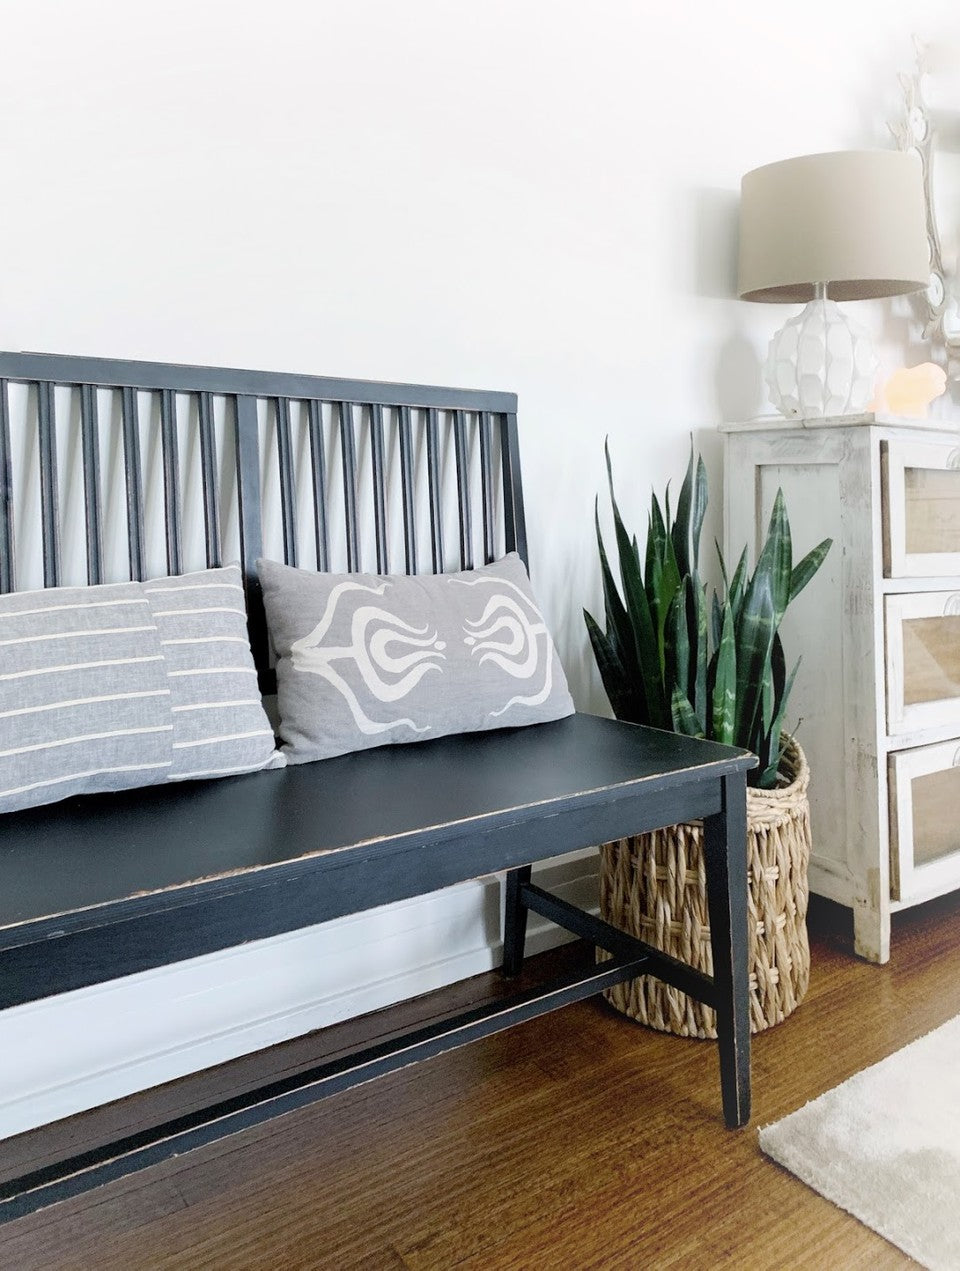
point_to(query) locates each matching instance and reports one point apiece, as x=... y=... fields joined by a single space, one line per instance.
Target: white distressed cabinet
x=877 y=696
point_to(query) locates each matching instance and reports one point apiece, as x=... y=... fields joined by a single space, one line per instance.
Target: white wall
x=537 y=195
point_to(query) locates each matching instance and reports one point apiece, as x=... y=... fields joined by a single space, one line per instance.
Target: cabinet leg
x=725 y=857
x=514 y=920
x=871 y=931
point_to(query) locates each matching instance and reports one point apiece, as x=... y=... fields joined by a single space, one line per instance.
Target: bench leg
x=514 y=920
x=725 y=850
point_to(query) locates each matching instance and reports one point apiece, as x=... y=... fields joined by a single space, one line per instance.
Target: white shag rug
x=885 y=1146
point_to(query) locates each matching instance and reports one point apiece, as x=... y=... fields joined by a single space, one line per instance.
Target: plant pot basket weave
x=653 y=887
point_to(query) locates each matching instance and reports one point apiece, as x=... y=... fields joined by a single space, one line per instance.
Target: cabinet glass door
x=923 y=661
x=921 y=508
x=924 y=825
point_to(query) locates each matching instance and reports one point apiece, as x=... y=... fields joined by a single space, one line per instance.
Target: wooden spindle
x=171 y=480
x=8 y=567
x=348 y=448
x=433 y=489
x=318 y=473
x=514 y=522
x=463 y=489
x=407 y=492
x=133 y=482
x=288 y=496
x=49 y=496
x=251 y=533
x=93 y=513
x=379 y=488
x=486 y=487
x=209 y=473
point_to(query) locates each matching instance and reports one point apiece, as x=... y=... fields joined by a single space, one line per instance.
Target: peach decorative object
x=910 y=390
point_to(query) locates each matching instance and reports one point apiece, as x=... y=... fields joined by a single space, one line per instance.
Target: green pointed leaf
x=664 y=545
x=611 y=668
x=723 y=567
x=667 y=589
x=680 y=533
x=638 y=607
x=725 y=682
x=657 y=533
x=699 y=508
x=619 y=626
x=628 y=558
x=775 y=746
x=803 y=572
x=697 y=629
x=645 y=646
x=778 y=667
x=776 y=556
x=773 y=684
x=616 y=683
x=684 y=716
x=677 y=643
x=716 y=621
x=738 y=585
x=754 y=635
x=661 y=577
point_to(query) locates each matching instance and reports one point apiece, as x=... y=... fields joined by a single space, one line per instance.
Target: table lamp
x=848 y=225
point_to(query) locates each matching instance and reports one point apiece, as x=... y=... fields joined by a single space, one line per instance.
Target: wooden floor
x=580 y=1140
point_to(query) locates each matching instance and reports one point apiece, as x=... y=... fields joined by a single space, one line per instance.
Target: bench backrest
x=324 y=473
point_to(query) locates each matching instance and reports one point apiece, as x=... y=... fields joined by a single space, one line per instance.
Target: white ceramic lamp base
x=821 y=363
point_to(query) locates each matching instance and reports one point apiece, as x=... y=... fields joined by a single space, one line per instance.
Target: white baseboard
x=76 y=1051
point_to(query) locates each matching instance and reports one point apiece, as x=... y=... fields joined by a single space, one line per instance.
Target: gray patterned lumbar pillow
x=130 y=684
x=364 y=660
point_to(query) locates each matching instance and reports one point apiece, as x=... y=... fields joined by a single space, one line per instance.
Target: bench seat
x=203 y=865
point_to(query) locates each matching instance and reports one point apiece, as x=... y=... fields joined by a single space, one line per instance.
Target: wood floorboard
x=575 y=1141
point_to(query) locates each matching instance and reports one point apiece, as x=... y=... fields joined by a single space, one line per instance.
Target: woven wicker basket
x=653 y=886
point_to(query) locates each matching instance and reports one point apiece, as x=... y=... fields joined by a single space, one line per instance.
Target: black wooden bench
x=101 y=887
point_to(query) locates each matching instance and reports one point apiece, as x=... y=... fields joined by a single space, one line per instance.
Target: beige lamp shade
x=853 y=219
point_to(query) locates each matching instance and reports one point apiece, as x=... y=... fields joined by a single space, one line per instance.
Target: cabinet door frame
x=901 y=716
x=909 y=881
x=896 y=457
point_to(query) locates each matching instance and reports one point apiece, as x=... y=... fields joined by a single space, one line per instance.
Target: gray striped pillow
x=100 y=689
x=219 y=724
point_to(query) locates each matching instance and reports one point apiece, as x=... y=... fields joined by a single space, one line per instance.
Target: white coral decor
x=820 y=363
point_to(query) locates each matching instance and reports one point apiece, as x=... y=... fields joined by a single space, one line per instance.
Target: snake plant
x=669 y=658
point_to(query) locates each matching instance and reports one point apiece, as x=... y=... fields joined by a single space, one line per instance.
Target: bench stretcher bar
x=630 y=957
